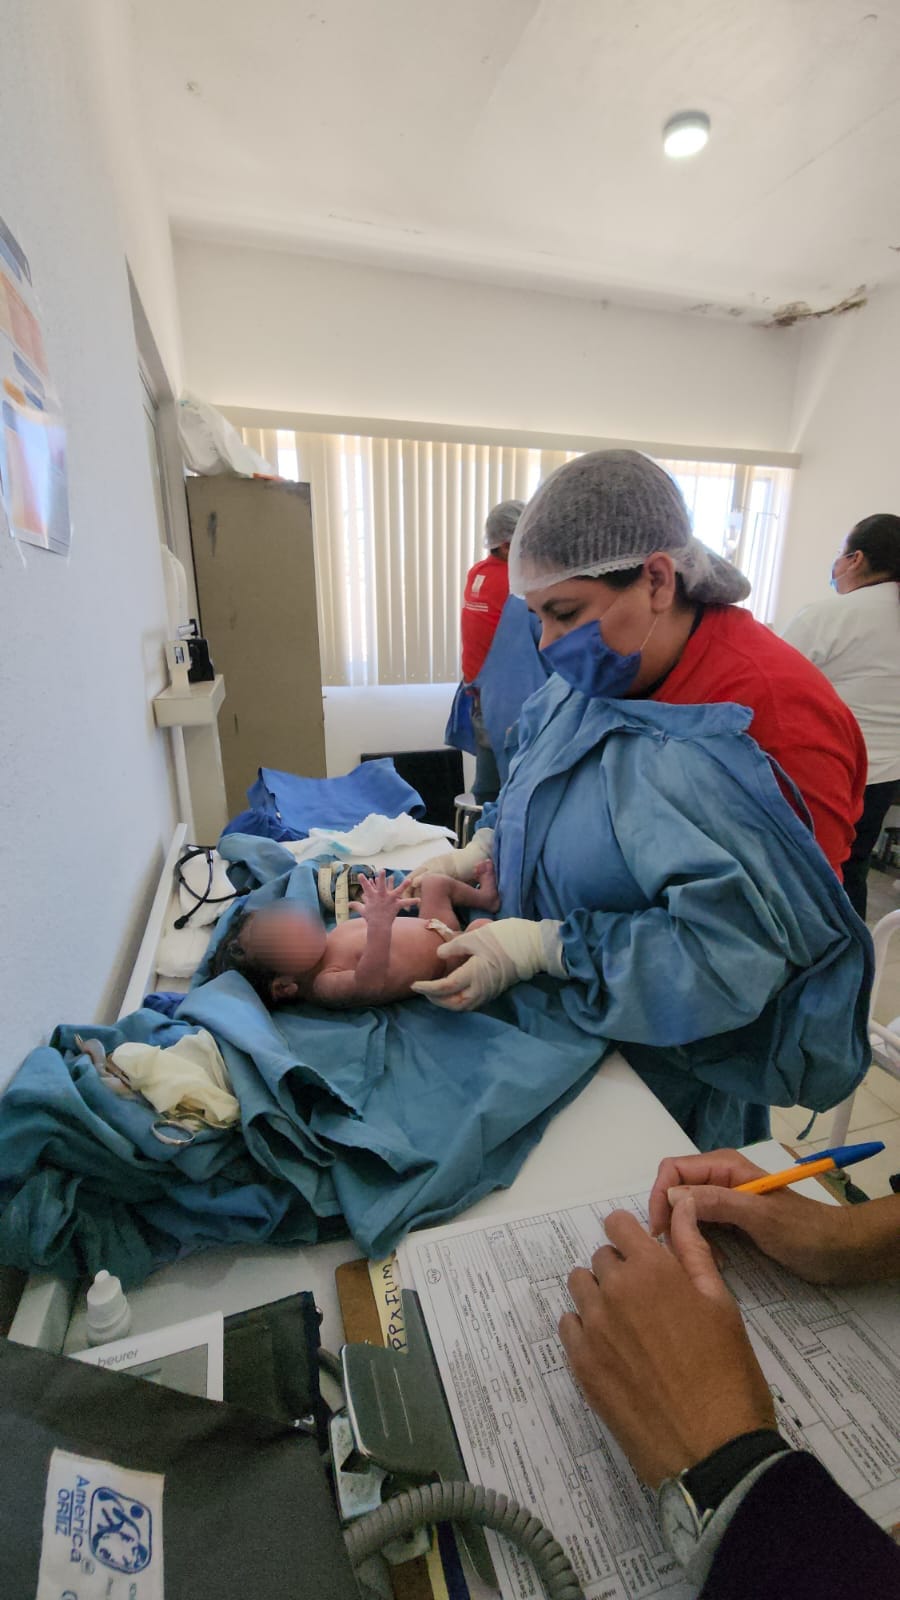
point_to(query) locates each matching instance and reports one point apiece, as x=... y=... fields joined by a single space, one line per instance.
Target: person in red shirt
x=485 y=595
x=607 y=541
x=810 y=732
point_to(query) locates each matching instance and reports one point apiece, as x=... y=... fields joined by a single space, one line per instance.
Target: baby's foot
x=486 y=878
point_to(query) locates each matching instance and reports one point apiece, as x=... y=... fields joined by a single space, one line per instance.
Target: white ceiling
x=520 y=140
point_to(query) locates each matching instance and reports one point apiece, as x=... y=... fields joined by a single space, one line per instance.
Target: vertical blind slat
x=423 y=566
x=453 y=591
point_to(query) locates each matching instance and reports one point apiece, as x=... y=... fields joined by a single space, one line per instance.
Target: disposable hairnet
x=606 y=512
x=501 y=522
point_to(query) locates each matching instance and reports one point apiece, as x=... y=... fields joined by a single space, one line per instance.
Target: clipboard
x=437 y=1575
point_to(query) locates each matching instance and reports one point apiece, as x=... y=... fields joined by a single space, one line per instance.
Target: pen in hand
x=812 y=1166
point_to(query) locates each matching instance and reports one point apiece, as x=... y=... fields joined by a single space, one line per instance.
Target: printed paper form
x=492 y=1296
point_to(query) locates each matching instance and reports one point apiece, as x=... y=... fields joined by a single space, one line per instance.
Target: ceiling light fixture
x=685 y=133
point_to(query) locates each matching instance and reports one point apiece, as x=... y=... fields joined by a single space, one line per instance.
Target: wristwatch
x=688 y=1503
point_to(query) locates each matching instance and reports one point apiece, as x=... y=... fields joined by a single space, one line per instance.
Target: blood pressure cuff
x=116 y=1487
x=271 y=1362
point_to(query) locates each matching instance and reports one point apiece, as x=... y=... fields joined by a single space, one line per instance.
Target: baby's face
x=287 y=942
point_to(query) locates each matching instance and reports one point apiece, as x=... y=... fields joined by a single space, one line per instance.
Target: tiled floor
x=876 y=1109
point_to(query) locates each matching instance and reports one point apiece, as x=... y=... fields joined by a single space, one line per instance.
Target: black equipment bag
x=243 y=1512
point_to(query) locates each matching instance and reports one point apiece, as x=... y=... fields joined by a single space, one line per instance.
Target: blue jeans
x=877 y=801
x=487 y=779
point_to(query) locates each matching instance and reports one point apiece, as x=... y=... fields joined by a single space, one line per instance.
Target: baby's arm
x=380 y=907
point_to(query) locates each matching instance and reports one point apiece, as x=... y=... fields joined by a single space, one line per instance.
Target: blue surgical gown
x=702 y=927
x=513 y=669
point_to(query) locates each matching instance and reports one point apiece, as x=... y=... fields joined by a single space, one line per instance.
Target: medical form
x=492 y=1296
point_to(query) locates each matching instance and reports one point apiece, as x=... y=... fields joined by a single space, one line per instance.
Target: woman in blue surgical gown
x=650 y=864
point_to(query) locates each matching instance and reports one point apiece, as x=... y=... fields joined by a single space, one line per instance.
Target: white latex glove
x=457 y=863
x=509 y=951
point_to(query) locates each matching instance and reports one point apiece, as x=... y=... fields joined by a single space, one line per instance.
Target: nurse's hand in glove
x=456 y=863
x=494 y=957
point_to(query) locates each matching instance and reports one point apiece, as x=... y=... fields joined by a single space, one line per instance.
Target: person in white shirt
x=855 y=641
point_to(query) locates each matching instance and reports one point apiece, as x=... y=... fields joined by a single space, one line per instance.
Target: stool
x=466 y=812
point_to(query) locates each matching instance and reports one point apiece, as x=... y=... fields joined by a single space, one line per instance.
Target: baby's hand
x=381 y=902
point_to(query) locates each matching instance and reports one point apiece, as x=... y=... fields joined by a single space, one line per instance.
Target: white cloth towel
x=189 y=1079
x=181 y=951
x=371 y=837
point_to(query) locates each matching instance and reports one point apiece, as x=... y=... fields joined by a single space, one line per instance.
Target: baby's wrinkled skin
x=375 y=958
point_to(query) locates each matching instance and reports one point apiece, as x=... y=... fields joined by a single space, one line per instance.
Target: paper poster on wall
x=34 y=489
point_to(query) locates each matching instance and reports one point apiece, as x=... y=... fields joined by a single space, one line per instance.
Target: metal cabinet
x=255 y=570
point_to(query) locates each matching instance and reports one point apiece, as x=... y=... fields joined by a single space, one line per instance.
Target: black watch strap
x=712 y=1479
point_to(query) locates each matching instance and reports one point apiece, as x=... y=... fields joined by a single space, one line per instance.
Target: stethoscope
x=206 y=898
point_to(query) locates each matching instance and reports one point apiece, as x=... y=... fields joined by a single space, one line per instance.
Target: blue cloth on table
x=372 y=1120
x=262 y=824
x=727 y=961
x=166 y=1001
x=83 y=1181
x=513 y=670
x=300 y=804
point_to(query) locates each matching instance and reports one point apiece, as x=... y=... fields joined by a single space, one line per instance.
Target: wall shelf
x=196 y=709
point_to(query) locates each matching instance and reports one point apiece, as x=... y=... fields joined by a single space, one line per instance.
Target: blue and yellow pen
x=811 y=1167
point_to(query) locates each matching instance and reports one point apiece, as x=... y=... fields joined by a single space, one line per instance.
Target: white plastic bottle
x=108 y=1311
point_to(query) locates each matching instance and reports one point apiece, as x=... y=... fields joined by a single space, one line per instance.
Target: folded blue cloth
x=165 y=1001
x=262 y=825
x=300 y=804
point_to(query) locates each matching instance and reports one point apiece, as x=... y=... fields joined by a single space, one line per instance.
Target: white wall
x=386 y=717
x=846 y=424
x=86 y=802
x=123 y=124
x=277 y=330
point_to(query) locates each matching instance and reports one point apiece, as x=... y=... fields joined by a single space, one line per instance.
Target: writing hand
x=808 y=1236
x=658 y=1346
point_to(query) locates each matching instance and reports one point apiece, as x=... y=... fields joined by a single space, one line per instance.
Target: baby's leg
x=479 y=896
x=438 y=894
x=435 y=901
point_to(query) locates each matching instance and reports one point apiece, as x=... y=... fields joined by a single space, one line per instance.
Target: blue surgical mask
x=587 y=662
x=835 y=579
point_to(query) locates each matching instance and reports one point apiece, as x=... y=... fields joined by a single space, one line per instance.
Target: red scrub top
x=486 y=593
x=797 y=716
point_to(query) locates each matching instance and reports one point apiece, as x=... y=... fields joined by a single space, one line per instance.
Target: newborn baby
x=288 y=956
